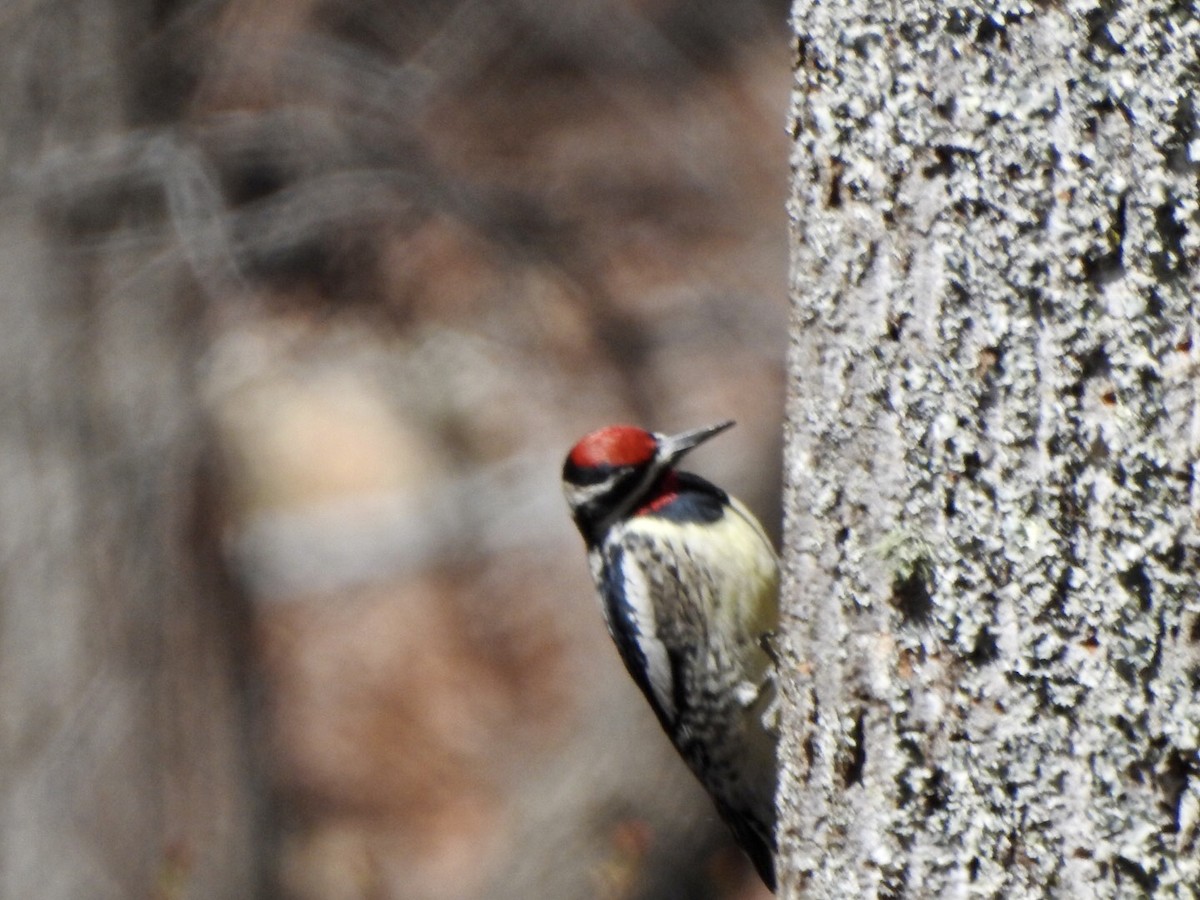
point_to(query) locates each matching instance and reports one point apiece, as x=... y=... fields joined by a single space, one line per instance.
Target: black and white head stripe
x=609 y=471
x=597 y=505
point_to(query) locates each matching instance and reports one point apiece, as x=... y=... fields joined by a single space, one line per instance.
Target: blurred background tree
x=303 y=303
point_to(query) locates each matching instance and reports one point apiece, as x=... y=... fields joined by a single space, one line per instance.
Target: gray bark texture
x=124 y=752
x=992 y=608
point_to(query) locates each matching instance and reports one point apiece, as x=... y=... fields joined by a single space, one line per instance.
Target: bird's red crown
x=615 y=445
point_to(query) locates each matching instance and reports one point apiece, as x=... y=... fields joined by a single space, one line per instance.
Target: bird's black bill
x=674 y=446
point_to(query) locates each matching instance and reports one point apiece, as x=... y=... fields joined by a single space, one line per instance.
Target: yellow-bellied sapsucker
x=689 y=586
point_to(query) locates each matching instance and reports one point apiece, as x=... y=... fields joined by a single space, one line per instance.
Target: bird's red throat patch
x=666 y=492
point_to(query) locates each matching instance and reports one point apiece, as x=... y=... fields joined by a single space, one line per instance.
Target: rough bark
x=992 y=548
x=124 y=769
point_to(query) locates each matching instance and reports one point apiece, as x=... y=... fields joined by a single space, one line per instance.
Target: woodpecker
x=689 y=588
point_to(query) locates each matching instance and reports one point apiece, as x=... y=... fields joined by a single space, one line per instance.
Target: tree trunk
x=992 y=606
x=124 y=769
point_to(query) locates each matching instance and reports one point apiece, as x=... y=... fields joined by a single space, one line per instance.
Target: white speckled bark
x=993 y=602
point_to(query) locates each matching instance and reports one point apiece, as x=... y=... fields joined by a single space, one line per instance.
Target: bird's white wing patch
x=645 y=633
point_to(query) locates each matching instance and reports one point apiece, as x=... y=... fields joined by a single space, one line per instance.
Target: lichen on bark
x=992 y=552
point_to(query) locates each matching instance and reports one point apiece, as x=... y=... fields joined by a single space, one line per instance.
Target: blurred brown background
x=305 y=303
